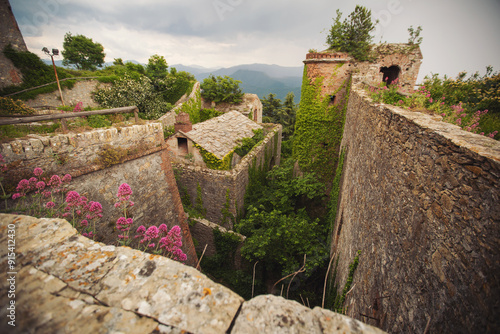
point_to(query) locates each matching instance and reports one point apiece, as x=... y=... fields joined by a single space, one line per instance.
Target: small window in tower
x=182 y=145
x=332 y=99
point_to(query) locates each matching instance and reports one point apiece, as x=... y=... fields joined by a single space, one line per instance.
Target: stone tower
x=393 y=61
x=9 y=34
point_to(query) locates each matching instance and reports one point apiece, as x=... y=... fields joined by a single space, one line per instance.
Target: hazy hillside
x=262 y=84
x=260 y=79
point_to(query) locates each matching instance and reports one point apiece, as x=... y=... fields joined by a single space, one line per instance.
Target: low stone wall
x=168 y=119
x=64 y=283
x=420 y=199
x=76 y=153
x=202 y=232
x=81 y=92
x=214 y=184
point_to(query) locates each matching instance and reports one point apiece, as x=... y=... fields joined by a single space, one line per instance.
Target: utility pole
x=55 y=52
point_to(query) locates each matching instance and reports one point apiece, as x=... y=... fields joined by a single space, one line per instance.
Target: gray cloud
x=458 y=34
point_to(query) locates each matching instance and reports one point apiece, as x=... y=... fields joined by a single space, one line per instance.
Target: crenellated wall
x=420 y=199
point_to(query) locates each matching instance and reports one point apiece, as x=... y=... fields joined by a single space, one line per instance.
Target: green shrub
x=128 y=92
x=9 y=106
x=247 y=144
x=206 y=114
x=221 y=89
x=35 y=73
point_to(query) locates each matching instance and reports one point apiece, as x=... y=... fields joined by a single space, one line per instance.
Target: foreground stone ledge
x=66 y=283
x=273 y=315
x=129 y=283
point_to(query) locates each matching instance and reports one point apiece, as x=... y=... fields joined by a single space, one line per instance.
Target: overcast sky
x=458 y=35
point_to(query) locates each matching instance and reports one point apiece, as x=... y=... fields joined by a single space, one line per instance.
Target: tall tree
x=352 y=35
x=286 y=115
x=82 y=52
x=270 y=106
x=157 y=67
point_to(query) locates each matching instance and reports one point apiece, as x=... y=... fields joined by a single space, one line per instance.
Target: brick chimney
x=182 y=122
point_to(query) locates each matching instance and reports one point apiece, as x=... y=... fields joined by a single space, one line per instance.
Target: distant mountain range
x=260 y=79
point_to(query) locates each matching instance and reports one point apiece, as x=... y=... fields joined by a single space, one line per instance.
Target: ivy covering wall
x=318 y=128
x=193 y=107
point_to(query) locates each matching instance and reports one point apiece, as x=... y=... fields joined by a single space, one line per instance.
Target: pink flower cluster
x=124 y=192
x=78 y=207
x=123 y=223
x=39 y=184
x=78 y=107
x=169 y=241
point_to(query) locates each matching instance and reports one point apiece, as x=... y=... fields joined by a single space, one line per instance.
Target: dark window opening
x=390 y=74
x=332 y=99
x=182 y=145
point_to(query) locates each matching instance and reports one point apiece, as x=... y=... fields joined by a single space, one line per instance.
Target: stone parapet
x=72 y=152
x=419 y=198
x=66 y=283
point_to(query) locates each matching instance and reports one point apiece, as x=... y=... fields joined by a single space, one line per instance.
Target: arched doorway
x=390 y=74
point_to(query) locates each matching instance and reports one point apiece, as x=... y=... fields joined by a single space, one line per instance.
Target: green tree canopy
x=157 y=67
x=270 y=106
x=82 y=52
x=221 y=89
x=279 y=231
x=353 y=34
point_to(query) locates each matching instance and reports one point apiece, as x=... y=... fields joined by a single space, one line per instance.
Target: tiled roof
x=220 y=135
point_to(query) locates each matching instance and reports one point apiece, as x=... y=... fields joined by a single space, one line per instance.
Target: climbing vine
x=318 y=128
x=213 y=162
x=227 y=216
x=193 y=107
x=198 y=207
x=338 y=305
x=334 y=194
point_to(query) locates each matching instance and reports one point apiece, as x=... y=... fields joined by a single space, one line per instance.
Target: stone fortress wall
x=420 y=199
x=81 y=92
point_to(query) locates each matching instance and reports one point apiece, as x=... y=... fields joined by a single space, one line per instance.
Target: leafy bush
x=127 y=92
x=248 y=143
x=279 y=231
x=175 y=85
x=9 y=106
x=473 y=103
x=206 y=114
x=35 y=73
x=221 y=89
